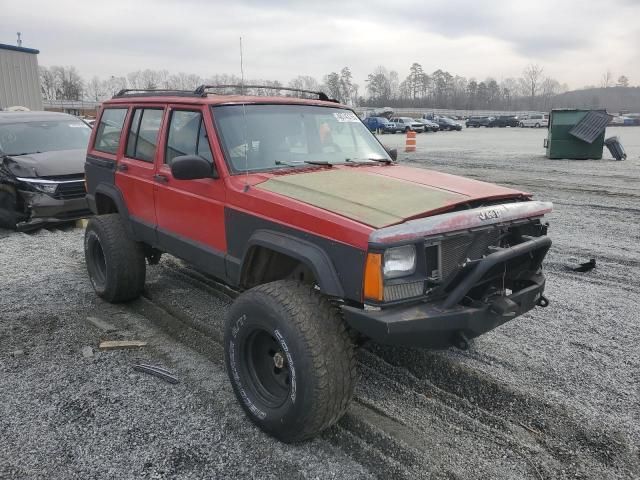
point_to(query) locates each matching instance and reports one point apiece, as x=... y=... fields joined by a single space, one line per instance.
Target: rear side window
x=187 y=136
x=143 y=134
x=109 y=129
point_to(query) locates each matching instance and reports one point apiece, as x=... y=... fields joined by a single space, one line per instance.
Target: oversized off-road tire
x=115 y=262
x=290 y=359
x=8 y=214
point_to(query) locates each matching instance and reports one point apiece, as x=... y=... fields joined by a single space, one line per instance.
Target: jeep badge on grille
x=488 y=215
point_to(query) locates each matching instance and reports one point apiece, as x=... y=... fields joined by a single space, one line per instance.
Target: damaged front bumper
x=448 y=321
x=41 y=208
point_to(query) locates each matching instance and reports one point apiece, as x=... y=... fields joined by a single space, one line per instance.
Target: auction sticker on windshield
x=346 y=117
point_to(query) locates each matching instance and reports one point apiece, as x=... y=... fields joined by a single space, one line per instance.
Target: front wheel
x=289 y=358
x=116 y=263
x=537 y=125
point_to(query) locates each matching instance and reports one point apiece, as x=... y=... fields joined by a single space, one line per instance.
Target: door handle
x=161 y=178
x=122 y=167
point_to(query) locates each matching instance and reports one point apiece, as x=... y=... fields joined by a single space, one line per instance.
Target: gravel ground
x=553 y=394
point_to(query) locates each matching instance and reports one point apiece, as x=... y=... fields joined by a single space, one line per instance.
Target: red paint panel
x=192 y=209
x=293 y=213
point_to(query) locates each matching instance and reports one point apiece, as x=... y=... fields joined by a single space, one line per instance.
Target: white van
x=536 y=120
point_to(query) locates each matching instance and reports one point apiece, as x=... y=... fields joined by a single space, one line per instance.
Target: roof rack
x=153 y=92
x=202 y=90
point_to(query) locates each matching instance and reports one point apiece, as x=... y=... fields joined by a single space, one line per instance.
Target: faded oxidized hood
x=47 y=164
x=382 y=196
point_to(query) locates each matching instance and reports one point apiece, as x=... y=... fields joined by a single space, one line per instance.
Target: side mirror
x=393 y=153
x=190 y=167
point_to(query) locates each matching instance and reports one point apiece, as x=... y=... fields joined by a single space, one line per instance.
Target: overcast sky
x=575 y=41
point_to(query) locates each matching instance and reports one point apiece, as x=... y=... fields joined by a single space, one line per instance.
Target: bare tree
x=304 y=82
x=47 y=83
x=531 y=78
x=623 y=81
x=96 y=90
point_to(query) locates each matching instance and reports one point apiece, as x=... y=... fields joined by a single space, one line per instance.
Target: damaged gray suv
x=42 y=157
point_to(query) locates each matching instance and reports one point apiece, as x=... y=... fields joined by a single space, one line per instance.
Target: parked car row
x=408 y=124
x=535 y=120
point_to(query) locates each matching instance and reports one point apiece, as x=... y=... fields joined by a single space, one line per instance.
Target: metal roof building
x=19 y=77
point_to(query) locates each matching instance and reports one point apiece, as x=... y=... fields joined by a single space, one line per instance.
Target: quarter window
x=109 y=129
x=187 y=136
x=143 y=134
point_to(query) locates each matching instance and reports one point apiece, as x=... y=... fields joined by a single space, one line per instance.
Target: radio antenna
x=244 y=120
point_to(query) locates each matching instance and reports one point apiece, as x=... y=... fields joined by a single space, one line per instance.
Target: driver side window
x=187 y=136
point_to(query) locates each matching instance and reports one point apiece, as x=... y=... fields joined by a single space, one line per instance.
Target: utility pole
x=19 y=39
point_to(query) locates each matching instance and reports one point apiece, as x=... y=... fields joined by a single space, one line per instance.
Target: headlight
x=45 y=186
x=49 y=188
x=399 y=261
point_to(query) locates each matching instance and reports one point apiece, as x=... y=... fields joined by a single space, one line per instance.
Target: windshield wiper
x=20 y=154
x=289 y=164
x=378 y=160
x=319 y=162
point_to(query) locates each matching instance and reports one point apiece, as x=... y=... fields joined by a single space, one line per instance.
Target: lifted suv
x=294 y=203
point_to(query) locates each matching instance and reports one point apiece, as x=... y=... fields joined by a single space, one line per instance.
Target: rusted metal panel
x=374 y=200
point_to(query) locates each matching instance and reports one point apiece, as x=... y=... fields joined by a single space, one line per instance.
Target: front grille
x=454 y=251
x=70 y=190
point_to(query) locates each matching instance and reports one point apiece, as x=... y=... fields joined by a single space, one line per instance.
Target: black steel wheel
x=289 y=359
x=267 y=368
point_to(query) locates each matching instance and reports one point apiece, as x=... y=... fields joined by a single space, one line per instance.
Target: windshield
x=44 y=136
x=267 y=137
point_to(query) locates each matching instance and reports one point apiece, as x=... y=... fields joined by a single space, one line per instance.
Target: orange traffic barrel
x=410 y=145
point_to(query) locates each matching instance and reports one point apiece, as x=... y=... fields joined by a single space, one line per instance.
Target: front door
x=190 y=213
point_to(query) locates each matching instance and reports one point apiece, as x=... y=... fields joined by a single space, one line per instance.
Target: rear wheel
x=537 y=125
x=116 y=264
x=289 y=358
x=8 y=203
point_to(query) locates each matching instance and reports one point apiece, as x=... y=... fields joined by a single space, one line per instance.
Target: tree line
x=533 y=90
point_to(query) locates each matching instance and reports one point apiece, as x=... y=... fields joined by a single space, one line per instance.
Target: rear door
x=135 y=174
x=190 y=213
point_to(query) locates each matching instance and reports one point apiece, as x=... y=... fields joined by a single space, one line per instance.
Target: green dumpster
x=576 y=134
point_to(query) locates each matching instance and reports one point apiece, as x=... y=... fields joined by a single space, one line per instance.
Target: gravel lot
x=553 y=394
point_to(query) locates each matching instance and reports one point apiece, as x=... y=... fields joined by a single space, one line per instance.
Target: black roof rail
x=202 y=90
x=152 y=92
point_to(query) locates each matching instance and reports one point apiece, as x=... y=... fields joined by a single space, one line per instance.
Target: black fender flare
x=114 y=194
x=309 y=254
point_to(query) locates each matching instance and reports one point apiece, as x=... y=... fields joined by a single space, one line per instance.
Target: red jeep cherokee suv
x=294 y=203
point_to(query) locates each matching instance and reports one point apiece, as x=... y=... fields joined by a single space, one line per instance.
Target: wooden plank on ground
x=120 y=344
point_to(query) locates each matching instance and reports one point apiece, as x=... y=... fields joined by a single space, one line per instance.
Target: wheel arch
x=306 y=253
x=108 y=199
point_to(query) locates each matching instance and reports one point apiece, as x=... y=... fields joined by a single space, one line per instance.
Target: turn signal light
x=373 y=289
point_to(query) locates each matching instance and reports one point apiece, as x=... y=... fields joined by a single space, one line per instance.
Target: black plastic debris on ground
x=159 y=372
x=591 y=126
x=582 y=267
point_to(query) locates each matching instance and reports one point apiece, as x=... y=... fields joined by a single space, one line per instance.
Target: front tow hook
x=543 y=301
